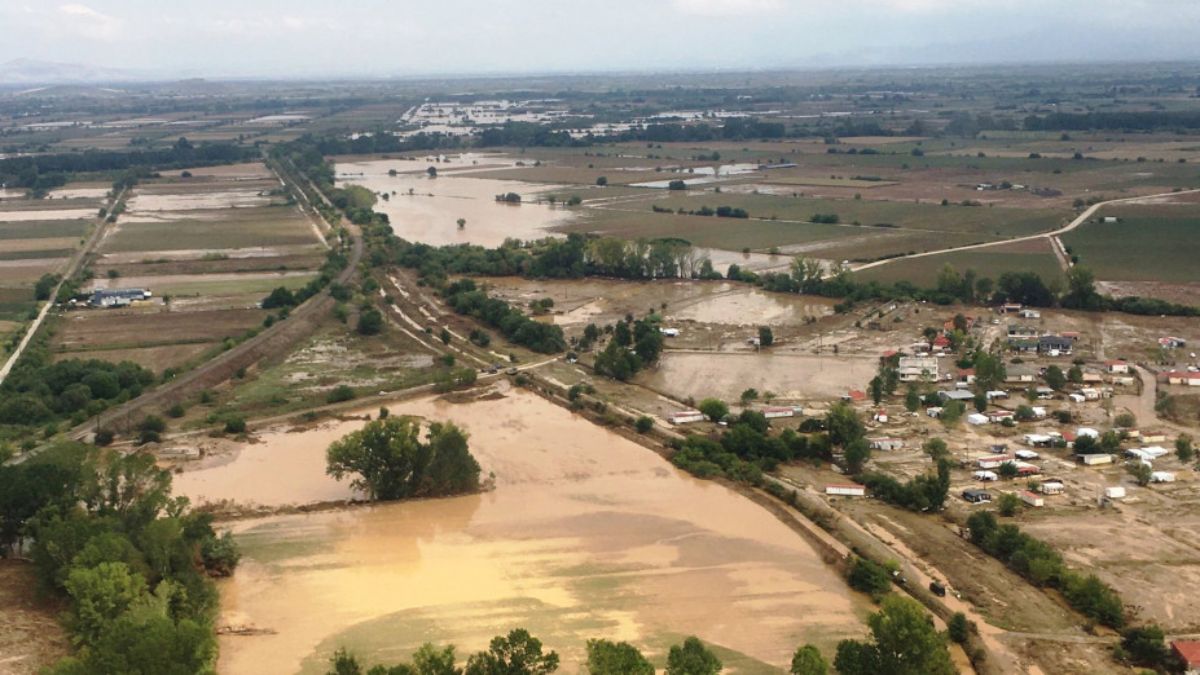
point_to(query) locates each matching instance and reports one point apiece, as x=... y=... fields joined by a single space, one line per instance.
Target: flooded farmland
x=791 y=376
x=579 y=302
x=430 y=214
x=585 y=535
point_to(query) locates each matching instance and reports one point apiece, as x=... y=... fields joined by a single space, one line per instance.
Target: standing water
x=585 y=535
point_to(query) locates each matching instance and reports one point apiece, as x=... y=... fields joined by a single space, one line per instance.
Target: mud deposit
x=726 y=375
x=585 y=535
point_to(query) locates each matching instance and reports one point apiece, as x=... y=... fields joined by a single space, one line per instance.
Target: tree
x=1075 y=375
x=643 y=424
x=912 y=401
x=714 y=409
x=444 y=336
x=952 y=412
x=1145 y=646
x=462 y=222
x=677 y=185
x=766 y=337
x=432 y=172
x=280 y=297
x=869 y=577
x=808 y=661
x=100 y=595
x=958 y=628
x=875 y=387
x=843 y=424
x=518 y=653
x=1141 y=473
x=749 y=395
x=1055 y=378
x=1008 y=502
x=936 y=449
x=905 y=642
x=602 y=181
x=389 y=462
x=616 y=658
x=1183 y=448
x=370 y=322
x=857 y=452
x=692 y=658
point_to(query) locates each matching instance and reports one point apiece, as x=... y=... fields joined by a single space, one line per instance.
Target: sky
x=373 y=38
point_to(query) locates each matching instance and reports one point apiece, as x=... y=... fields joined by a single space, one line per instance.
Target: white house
x=1114 y=492
x=1117 y=367
x=977 y=419
x=1031 y=498
x=776 y=412
x=918 y=369
x=986 y=476
x=1096 y=459
x=1052 y=487
x=685 y=417
x=886 y=443
x=669 y=332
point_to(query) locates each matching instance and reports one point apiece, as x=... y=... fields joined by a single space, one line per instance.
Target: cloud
x=87 y=22
x=727 y=7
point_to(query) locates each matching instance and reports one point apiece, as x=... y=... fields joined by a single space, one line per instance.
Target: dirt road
x=1052 y=235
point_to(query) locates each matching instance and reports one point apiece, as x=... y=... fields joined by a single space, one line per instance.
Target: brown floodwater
x=421 y=217
x=792 y=376
x=585 y=535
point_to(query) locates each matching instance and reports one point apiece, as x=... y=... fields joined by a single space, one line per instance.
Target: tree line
x=465 y=298
x=387 y=460
x=131 y=563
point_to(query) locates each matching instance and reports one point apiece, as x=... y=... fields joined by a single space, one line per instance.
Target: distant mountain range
x=32 y=72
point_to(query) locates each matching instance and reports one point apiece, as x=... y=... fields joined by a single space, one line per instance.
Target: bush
x=339 y=394
x=643 y=424
x=235 y=424
x=958 y=628
x=869 y=577
x=370 y=322
x=103 y=437
x=176 y=411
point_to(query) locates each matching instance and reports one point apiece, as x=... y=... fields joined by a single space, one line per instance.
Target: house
x=685 y=417
x=1162 y=477
x=1019 y=332
x=1188 y=653
x=1026 y=469
x=1109 y=219
x=1044 y=393
x=918 y=369
x=1087 y=431
x=1095 y=460
x=1153 y=436
x=1077 y=398
x=886 y=443
x=846 y=490
x=992 y=461
x=934 y=412
x=855 y=396
x=118 y=297
x=1117 y=367
x=1031 y=498
x=775 y=412
x=1114 y=492
x=1023 y=345
x=948 y=395
x=1072 y=335
x=986 y=476
x=1171 y=342
x=996 y=394
x=1039 y=440
x=880 y=416
x=940 y=343
x=1181 y=377
x=1092 y=377
x=1009 y=308
x=977 y=419
x=1090 y=393
x=1052 y=487
x=1055 y=345
x=1039 y=412
x=669 y=332
x=1029 y=314
x=976 y=496
x=1026 y=454
x=966 y=376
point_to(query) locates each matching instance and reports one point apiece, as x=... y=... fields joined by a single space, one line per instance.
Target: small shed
x=846 y=490
x=1115 y=492
x=1095 y=459
x=977 y=419
x=685 y=417
x=1031 y=498
x=1052 y=487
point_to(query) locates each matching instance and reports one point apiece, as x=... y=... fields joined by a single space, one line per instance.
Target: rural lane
x=1054 y=234
x=68 y=272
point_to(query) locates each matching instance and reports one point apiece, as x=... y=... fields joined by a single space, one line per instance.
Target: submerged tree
x=388 y=461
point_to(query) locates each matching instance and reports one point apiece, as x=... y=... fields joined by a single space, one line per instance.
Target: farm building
x=1095 y=459
x=775 y=412
x=999 y=416
x=996 y=394
x=1031 y=498
x=1019 y=332
x=1117 y=366
x=1029 y=314
x=977 y=419
x=1182 y=377
x=1148 y=454
x=886 y=443
x=976 y=496
x=1009 y=308
x=918 y=369
x=846 y=490
x=118 y=297
x=985 y=476
x=1052 y=487
x=685 y=417
x=1154 y=436
x=1162 y=477
x=1039 y=440
x=1188 y=653
x=956 y=395
x=992 y=461
x=1021 y=373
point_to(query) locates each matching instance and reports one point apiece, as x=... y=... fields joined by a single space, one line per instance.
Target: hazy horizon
x=308 y=39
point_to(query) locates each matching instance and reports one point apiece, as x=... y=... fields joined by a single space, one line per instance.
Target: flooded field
x=585 y=535
x=790 y=376
x=579 y=302
x=430 y=214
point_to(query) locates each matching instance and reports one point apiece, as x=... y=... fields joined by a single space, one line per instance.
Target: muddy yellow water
x=430 y=214
x=585 y=535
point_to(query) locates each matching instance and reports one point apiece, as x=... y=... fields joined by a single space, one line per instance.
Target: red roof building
x=1188 y=651
x=857 y=395
x=941 y=341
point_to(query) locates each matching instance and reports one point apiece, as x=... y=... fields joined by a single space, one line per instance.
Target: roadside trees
x=714 y=409
x=692 y=658
x=904 y=642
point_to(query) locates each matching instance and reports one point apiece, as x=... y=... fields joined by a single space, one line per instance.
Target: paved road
x=1055 y=234
x=71 y=269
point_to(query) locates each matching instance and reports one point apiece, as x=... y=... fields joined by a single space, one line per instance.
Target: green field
x=1031 y=256
x=1150 y=243
x=38 y=229
x=708 y=232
